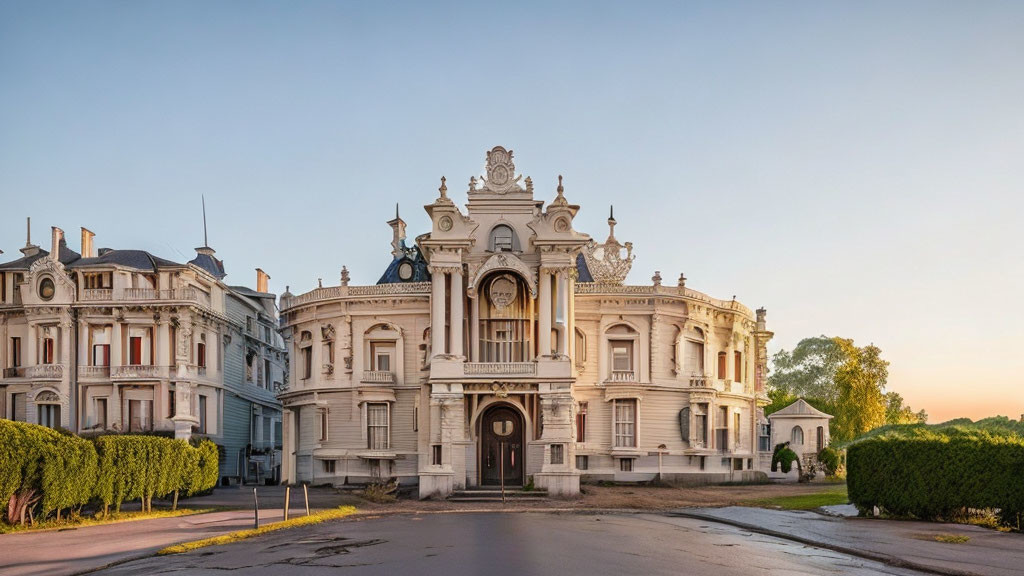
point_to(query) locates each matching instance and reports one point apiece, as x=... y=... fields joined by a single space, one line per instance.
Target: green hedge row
x=938 y=474
x=63 y=471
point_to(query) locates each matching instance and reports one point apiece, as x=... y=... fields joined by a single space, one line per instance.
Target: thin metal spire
x=206 y=240
x=396 y=210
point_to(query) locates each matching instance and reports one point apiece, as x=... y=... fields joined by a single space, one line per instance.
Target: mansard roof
x=67 y=256
x=137 y=259
x=582 y=271
x=206 y=260
x=800 y=409
x=420 y=273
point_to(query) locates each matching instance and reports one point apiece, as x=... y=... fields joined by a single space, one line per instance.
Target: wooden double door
x=502 y=447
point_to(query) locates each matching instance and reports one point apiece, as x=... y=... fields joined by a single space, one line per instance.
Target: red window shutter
x=136 y=350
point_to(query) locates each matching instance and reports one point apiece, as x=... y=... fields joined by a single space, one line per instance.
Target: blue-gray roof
x=67 y=256
x=582 y=272
x=137 y=259
x=412 y=256
x=210 y=264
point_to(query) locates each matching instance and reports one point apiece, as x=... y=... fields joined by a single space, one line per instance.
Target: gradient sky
x=856 y=168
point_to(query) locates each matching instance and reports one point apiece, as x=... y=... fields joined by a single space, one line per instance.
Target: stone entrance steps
x=490 y=494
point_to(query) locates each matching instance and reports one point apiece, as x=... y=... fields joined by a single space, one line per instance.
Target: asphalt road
x=512 y=544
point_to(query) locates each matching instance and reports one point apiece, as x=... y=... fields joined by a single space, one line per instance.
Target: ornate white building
x=121 y=340
x=504 y=346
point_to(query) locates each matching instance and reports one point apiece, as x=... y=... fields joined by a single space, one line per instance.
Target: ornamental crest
x=606 y=262
x=501 y=172
x=502 y=291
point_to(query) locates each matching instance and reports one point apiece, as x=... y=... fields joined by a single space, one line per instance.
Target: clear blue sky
x=856 y=168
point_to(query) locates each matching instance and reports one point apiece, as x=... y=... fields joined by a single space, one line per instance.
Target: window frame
x=375 y=428
x=625 y=431
x=581 y=422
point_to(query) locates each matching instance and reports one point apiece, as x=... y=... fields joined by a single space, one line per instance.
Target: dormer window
x=503 y=239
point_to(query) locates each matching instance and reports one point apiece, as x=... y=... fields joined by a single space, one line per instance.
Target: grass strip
x=113 y=518
x=833 y=496
x=317 y=518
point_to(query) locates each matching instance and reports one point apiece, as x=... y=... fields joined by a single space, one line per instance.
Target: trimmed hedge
x=938 y=474
x=68 y=471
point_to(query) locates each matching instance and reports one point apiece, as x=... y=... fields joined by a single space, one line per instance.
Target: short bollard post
x=287 y=500
x=256 y=509
x=306 y=493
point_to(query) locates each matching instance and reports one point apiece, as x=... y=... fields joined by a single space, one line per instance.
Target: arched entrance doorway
x=502 y=446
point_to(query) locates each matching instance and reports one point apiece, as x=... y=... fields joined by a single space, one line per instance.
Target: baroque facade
x=124 y=341
x=503 y=347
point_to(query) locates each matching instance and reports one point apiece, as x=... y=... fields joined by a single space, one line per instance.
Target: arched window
x=503 y=239
x=797 y=437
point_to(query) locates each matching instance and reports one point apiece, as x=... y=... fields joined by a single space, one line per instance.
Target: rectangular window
x=135 y=350
x=101 y=355
x=170 y=404
x=47 y=351
x=435 y=455
x=101 y=413
x=15 y=352
x=736 y=430
x=377 y=426
x=721 y=365
x=328 y=466
x=140 y=415
x=322 y=425
x=694 y=357
x=558 y=453
x=701 y=426
x=266 y=373
x=622 y=356
x=737 y=374
x=307 y=363
x=18 y=407
x=582 y=462
x=202 y=414
x=581 y=423
x=49 y=415
x=763 y=438
x=625 y=423
x=380 y=356
x=625 y=464
x=201 y=355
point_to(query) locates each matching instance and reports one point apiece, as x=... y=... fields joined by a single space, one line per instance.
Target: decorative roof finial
x=472 y=183
x=28 y=231
x=344 y=276
x=443 y=189
x=206 y=239
x=560 y=188
x=682 y=280
x=656 y=278
x=396 y=211
x=611 y=224
x=319 y=282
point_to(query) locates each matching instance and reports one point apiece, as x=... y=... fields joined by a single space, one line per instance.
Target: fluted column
x=474 y=329
x=456 y=323
x=544 y=329
x=563 y=304
x=437 y=313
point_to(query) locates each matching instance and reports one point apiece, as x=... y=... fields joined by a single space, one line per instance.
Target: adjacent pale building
x=503 y=347
x=803 y=426
x=122 y=340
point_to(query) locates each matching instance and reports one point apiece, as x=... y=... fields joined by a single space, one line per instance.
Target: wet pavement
x=518 y=543
x=914 y=544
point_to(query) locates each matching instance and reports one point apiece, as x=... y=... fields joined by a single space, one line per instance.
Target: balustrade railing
x=97 y=294
x=138 y=371
x=94 y=371
x=378 y=376
x=500 y=368
x=622 y=376
x=46 y=371
x=14 y=372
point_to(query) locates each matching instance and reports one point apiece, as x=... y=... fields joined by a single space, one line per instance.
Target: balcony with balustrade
x=378 y=377
x=93 y=373
x=45 y=372
x=139 y=372
x=622 y=376
x=14 y=372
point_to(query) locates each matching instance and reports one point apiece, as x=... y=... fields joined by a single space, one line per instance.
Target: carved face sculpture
x=502 y=291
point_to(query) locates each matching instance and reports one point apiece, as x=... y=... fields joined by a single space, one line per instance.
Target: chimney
x=87 y=250
x=398 y=230
x=56 y=235
x=261 y=281
x=761 y=324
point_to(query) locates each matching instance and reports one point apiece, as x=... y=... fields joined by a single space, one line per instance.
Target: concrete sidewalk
x=77 y=550
x=898 y=543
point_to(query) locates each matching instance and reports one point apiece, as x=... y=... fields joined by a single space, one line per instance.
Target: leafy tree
x=839 y=378
x=896 y=412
